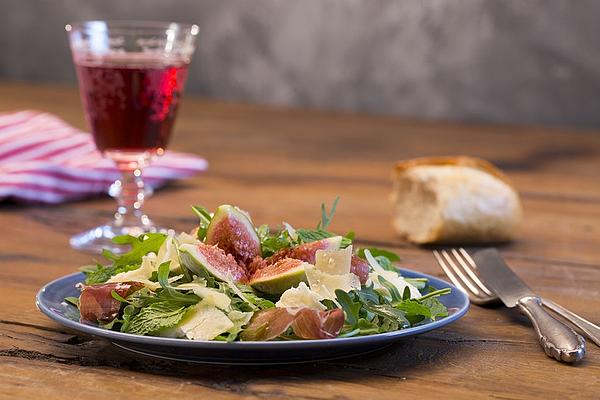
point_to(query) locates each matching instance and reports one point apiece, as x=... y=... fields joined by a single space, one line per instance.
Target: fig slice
x=278 y=277
x=305 y=252
x=231 y=230
x=202 y=258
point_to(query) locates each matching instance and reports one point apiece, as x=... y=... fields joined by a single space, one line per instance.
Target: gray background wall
x=506 y=61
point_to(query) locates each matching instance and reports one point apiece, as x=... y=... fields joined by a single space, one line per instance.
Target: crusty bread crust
x=453 y=200
x=463 y=161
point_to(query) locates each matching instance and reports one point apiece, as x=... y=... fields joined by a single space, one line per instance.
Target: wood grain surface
x=281 y=164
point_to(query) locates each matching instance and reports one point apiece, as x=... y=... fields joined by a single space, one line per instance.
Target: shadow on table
x=413 y=354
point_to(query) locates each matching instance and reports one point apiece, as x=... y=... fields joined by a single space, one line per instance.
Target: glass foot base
x=99 y=238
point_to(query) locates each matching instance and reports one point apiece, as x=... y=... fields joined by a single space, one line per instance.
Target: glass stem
x=130 y=193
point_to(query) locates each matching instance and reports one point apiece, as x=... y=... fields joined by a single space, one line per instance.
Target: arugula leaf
x=376 y=252
x=325 y=216
x=436 y=308
x=395 y=316
x=368 y=311
x=435 y=293
x=257 y=301
x=108 y=325
x=101 y=274
x=393 y=290
x=414 y=311
x=205 y=219
x=419 y=283
x=118 y=297
x=367 y=327
x=350 y=307
x=168 y=293
x=155 y=317
x=73 y=301
x=140 y=246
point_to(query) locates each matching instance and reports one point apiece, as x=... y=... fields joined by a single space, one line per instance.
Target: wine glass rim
x=131 y=25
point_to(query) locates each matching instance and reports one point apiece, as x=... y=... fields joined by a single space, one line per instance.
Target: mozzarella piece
x=168 y=252
x=240 y=318
x=203 y=322
x=336 y=262
x=300 y=297
x=141 y=274
x=186 y=238
x=325 y=284
x=209 y=296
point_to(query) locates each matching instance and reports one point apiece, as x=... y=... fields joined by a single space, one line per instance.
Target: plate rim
x=250 y=345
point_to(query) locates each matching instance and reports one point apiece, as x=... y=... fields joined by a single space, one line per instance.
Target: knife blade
x=500 y=278
x=558 y=340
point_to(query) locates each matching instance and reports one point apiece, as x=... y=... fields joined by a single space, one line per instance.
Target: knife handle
x=557 y=339
x=592 y=331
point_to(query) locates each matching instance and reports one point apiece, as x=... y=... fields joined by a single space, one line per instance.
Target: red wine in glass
x=131 y=76
x=131 y=101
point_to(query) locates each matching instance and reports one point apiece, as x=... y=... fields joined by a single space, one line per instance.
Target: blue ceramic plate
x=50 y=301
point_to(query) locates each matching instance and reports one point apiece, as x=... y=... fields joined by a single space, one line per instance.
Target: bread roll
x=453 y=200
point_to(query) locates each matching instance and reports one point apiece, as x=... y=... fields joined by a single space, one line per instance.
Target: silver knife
x=557 y=339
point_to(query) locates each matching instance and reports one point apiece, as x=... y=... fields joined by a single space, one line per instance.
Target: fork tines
x=460 y=268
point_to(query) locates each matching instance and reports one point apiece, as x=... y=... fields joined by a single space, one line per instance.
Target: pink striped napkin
x=45 y=160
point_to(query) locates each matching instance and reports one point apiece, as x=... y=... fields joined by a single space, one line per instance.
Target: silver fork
x=462 y=271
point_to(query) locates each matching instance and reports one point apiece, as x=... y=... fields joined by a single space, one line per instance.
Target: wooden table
x=281 y=164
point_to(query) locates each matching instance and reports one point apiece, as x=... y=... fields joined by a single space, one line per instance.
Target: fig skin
x=212 y=259
x=232 y=230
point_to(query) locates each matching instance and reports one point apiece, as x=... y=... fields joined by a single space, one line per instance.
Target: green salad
x=229 y=280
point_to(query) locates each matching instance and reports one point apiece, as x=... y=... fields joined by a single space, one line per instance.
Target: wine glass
x=131 y=76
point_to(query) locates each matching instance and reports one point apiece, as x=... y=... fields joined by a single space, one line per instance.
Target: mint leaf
x=312 y=235
x=272 y=243
x=101 y=274
x=128 y=313
x=155 y=317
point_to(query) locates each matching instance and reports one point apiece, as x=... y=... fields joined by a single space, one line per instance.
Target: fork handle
x=557 y=339
x=591 y=330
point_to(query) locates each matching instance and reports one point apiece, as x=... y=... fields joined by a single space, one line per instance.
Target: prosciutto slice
x=360 y=268
x=96 y=303
x=307 y=323
x=315 y=324
x=268 y=324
